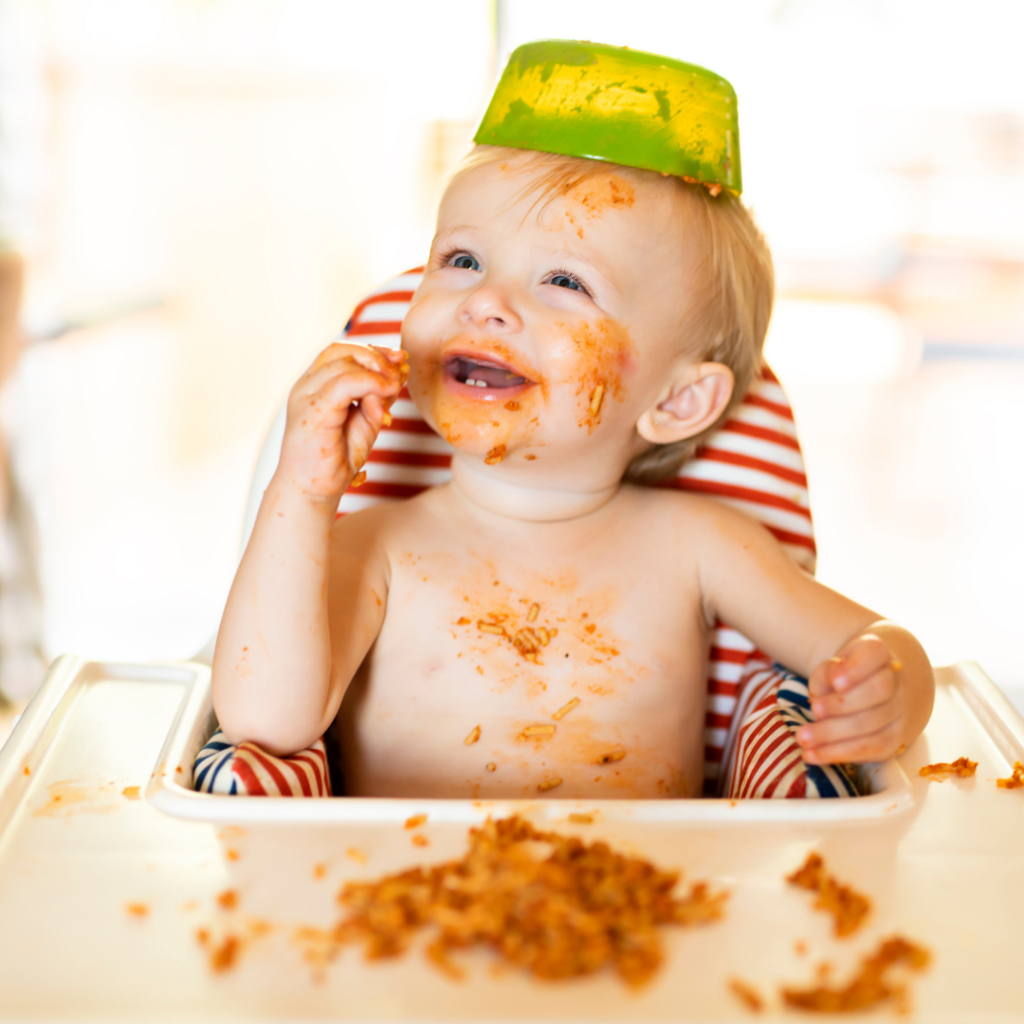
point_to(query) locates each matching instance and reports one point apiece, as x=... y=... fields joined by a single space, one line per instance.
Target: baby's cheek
x=601 y=363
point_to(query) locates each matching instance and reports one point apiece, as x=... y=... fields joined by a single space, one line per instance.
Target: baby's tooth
x=471 y=382
x=481 y=383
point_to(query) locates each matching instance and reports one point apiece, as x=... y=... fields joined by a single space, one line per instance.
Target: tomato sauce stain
x=603 y=352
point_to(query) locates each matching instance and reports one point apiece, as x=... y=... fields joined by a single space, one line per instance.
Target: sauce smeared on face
x=480 y=394
x=603 y=353
x=597 y=195
x=592 y=198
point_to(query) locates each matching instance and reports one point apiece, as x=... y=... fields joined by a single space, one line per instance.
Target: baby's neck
x=526 y=504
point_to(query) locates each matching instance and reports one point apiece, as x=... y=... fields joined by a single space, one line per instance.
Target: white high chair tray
x=943 y=864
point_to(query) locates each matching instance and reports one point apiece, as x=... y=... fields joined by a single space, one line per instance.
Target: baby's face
x=543 y=330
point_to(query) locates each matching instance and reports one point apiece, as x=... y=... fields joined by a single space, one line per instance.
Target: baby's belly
x=456 y=738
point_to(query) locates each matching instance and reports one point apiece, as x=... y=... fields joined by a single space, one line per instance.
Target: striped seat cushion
x=762 y=758
x=248 y=770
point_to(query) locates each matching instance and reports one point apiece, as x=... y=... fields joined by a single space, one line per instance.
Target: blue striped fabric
x=794 y=704
x=210 y=761
x=247 y=770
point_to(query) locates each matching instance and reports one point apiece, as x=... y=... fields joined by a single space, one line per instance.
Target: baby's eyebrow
x=457 y=229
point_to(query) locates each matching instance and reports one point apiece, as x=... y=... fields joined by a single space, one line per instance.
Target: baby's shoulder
x=707 y=524
x=673 y=505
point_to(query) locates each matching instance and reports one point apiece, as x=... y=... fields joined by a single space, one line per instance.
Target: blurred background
x=198 y=191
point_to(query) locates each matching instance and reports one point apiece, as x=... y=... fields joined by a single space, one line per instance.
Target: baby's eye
x=463 y=261
x=564 y=279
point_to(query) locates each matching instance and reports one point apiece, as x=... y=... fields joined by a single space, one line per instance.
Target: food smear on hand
x=596 y=397
x=359 y=479
x=869 y=987
x=961 y=767
x=1016 y=780
x=136 y=909
x=552 y=783
x=495 y=455
x=473 y=736
x=847 y=907
x=415 y=821
x=535 y=909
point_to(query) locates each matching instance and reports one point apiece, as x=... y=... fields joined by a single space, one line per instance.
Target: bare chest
x=504 y=667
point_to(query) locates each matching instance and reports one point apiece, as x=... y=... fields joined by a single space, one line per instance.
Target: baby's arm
x=282 y=664
x=870 y=681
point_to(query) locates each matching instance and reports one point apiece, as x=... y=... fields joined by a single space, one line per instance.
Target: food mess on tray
x=870 y=987
x=961 y=767
x=1016 y=780
x=847 y=907
x=552 y=904
x=746 y=994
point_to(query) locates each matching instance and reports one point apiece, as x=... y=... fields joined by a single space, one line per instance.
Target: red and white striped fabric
x=248 y=770
x=762 y=758
x=752 y=462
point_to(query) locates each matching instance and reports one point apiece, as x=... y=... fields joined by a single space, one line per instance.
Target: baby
x=540 y=624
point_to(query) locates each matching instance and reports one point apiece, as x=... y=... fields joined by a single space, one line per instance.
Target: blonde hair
x=728 y=316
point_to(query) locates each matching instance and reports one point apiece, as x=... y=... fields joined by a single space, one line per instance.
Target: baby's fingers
x=873 y=691
x=819 y=682
x=336 y=391
x=858 y=660
x=361 y=430
x=877 y=746
x=339 y=357
x=397 y=356
x=819 y=735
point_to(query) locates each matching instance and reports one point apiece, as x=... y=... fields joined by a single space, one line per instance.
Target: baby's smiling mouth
x=482 y=373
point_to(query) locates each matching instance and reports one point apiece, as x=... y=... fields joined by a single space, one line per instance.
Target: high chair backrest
x=752 y=462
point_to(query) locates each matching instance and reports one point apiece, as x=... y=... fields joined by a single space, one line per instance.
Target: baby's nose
x=489 y=306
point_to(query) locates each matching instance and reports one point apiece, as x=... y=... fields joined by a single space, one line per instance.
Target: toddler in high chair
x=539 y=625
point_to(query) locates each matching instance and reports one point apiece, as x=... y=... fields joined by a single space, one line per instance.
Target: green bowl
x=624 y=106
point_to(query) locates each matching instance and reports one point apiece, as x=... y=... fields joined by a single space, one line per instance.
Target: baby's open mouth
x=482 y=373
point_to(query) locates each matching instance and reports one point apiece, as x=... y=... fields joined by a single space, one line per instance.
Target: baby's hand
x=859 y=705
x=335 y=412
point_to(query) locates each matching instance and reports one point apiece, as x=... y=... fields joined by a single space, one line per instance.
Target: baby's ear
x=695 y=398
